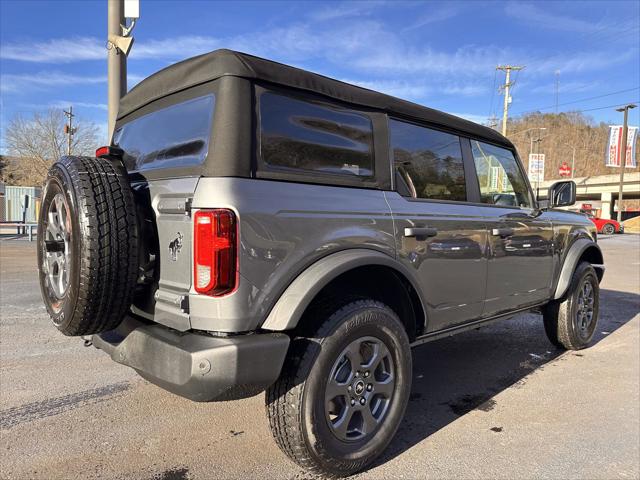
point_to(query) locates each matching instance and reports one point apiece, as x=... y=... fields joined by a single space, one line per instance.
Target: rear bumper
x=197 y=366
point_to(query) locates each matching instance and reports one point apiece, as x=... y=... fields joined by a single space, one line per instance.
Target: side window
x=501 y=180
x=174 y=136
x=428 y=163
x=316 y=136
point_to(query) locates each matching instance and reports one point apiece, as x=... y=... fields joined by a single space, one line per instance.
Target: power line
x=608 y=106
x=493 y=92
x=602 y=108
x=578 y=101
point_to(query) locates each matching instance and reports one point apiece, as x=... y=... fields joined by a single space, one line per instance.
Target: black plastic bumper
x=197 y=366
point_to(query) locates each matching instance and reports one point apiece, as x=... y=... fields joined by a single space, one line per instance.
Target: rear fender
x=288 y=310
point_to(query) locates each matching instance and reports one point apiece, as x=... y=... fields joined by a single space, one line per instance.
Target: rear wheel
x=87 y=245
x=608 y=229
x=343 y=391
x=571 y=322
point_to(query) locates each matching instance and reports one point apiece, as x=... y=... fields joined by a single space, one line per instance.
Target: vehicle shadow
x=456 y=375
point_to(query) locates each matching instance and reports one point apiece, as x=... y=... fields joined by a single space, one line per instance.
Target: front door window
x=501 y=180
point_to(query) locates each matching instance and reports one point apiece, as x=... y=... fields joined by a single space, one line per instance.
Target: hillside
x=564 y=132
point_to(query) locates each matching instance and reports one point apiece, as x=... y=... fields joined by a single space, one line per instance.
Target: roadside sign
x=536 y=167
x=564 y=170
x=612 y=155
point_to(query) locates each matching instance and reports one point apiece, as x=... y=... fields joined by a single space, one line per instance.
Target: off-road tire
x=295 y=403
x=608 y=229
x=102 y=249
x=561 y=322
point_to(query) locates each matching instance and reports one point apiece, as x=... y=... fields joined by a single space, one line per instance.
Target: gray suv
x=253 y=227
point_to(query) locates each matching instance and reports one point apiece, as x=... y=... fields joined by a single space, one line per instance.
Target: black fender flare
x=288 y=310
x=571 y=262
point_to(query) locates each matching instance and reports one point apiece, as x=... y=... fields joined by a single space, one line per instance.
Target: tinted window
x=428 y=162
x=175 y=136
x=315 y=136
x=501 y=180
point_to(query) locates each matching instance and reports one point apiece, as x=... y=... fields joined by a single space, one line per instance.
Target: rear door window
x=315 y=136
x=175 y=136
x=428 y=163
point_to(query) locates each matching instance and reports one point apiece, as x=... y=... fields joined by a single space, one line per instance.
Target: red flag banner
x=614 y=147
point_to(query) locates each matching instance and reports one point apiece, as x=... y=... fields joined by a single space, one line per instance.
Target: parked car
x=253 y=227
x=606 y=226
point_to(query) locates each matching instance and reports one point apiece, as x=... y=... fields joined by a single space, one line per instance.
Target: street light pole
x=623 y=155
x=116 y=61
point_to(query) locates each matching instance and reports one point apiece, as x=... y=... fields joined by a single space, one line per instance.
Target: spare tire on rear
x=87 y=245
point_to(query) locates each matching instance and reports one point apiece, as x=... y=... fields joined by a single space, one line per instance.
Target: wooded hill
x=564 y=131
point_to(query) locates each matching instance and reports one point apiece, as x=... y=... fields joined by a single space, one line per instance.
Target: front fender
x=576 y=251
x=291 y=305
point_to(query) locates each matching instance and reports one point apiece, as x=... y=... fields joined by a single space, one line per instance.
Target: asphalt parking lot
x=498 y=402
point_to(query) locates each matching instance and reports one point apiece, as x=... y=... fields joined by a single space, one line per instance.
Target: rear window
x=315 y=136
x=428 y=162
x=174 y=136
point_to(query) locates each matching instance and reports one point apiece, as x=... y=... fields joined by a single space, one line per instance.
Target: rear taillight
x=214 y=246
x=104 y=152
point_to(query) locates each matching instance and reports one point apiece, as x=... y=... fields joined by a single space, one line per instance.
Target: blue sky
x=440 y=54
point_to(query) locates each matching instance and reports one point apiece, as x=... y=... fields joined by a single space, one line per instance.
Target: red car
x=605 y=226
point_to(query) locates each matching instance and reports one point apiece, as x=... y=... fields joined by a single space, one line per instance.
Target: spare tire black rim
x=359 y=389
x=57 y=249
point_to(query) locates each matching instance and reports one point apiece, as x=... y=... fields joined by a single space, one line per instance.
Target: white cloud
x=177 y=47
x=409 y=90
x=345 y=10
x=363 y=45
x=468 y=90
x=56 y=50
x=67 y=103
x=472 y=117
x=565 y=87
x=44 y=80
x=435 y=15
x=531 y=14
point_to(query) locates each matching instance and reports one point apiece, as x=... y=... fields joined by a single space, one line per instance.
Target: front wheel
x=571 y=322
x=343 y=392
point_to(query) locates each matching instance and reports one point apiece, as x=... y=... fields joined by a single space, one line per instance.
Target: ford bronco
x=254 y=226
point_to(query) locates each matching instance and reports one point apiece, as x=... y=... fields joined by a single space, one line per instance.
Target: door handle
x=420 y=232
x=502 y=232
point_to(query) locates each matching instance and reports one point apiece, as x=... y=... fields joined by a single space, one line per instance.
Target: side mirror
x=562 y=194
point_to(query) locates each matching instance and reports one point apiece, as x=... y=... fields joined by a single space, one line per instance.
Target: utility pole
x=623 y=155
x=557 y=88
x=116 y=61
x=68 y=128
x=119 y=41
x=507 y=98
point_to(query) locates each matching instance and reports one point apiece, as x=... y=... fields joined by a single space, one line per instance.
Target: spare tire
x=87 y=245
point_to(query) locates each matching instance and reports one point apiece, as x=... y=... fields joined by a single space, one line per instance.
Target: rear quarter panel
x=284 y=227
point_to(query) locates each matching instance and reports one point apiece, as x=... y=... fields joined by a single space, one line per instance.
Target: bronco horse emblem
x=175 y=246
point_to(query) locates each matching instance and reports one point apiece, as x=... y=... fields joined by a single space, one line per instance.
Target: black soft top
x=219 y=63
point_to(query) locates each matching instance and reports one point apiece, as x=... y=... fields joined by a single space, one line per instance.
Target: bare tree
x=39 y=141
